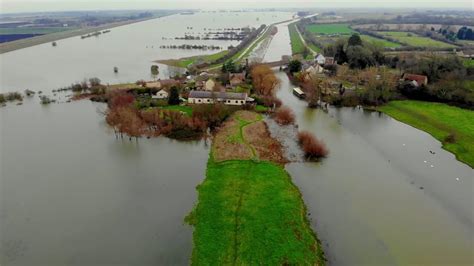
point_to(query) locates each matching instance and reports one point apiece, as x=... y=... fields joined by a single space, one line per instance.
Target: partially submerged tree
x=313 y=148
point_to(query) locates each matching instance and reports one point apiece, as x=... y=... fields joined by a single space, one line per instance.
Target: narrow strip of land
x=249 y=212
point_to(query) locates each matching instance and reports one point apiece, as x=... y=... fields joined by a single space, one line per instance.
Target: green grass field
x=381 y=42
x=330 y=29
x=250 y=213
x=188 y=110
x=297 y=45
x=468 y=62
x=439 y=120
x=412 y=39
x=33 y=30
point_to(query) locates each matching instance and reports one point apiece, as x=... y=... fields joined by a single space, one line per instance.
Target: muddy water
x=72 y=194
x=381 y=197
x=375 y=200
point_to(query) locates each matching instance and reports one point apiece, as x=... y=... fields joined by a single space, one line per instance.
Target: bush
x=2 y=98
x=13 y=96
x=451 y=138
x=311 y=146
x=284 y=116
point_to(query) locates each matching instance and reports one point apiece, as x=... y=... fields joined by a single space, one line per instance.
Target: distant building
x=162 y=94
x=416 y=80
x=160 y=84
x=236 y=79
x=207 y=85
x=320 y=59
x=208 y=97
x=330 y=61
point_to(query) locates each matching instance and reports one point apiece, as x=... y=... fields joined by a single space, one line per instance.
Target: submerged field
x=249 y=212
x=415 y=40
x=441 y=121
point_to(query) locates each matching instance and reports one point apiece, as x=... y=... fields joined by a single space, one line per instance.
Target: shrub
x=13 y=96
x=313 y=148
x=451 y=138
x=2 y=98
x=284 y=116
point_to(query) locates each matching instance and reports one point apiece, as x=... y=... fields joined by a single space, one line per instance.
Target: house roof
x=420 y=79
x=165 y=82
x=162 y=91
x=237 y=76
x=221 y=95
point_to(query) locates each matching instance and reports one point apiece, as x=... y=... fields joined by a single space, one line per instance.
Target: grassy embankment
x=414 y=40
x=439 y=120
x=249 y=212
x=45 y=30
x=297 y=43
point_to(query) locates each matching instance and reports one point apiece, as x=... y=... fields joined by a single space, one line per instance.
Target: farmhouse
x=320 y=59
x=162 y=94
x=164 y=83
x=416 y=80
x=208 y=97
x=207 y=85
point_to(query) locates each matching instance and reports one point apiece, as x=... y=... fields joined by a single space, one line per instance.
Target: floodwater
x=381 y=197
x=72 y=194
x=131 y=48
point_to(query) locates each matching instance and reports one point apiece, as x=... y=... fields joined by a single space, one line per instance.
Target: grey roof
x=220 y=95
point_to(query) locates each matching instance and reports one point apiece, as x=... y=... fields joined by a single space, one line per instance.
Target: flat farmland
x=415 y=40
x=381 y=42
x=328 y=29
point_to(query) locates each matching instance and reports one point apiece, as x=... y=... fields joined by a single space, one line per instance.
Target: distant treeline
x=418 y=18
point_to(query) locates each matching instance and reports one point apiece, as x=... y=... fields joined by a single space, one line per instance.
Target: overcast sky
x=8 y=6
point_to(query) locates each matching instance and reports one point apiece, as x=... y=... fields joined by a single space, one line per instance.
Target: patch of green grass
x=261 y=108
x=415 y=40
x=188 y=110
x=468 y=62
x=439 y=120
x=330 y=29
x=25 y=30
x=297 y=45
x=381 y=42
x=250 y=213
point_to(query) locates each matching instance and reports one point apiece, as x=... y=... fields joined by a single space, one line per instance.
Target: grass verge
x=297 y=45
x=441 y=121
x=250 y=213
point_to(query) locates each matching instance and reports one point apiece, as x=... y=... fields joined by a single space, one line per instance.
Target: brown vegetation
x=313 y=148
x=267 y=148
x=284 y=116
x=245 y=136
x=264 y=80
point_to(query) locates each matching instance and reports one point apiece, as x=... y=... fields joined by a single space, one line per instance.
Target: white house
x=208 y=97
x=162 y=94
x=320 y=59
